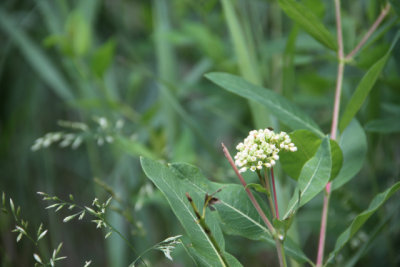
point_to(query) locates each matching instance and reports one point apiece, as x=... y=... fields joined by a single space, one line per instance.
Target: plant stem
x=268 y=188
x=371 y=30
x=281 y=255
x=249 y=193
x=335 y=119
x=275 y=198
x=202 y=222
x=335 y=115
x=275 y=235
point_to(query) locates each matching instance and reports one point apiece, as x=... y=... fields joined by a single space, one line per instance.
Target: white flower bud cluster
x=261 y=148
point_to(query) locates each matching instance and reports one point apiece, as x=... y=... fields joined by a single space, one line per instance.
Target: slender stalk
x=335 y=119
x=268 y=188
x=276 y=236
x=371 y=30
x=202 y=222
x=249 y=193
x=275 y=198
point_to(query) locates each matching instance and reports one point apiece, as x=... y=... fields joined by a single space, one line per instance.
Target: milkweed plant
x=258 y=205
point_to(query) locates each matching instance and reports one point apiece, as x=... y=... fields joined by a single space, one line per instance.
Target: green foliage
x=285 y=111
x=353 y=143
x=361 y=218
x=309 y=22
x=307 y=144
x=87 y=66
x=364 y=87
x=313 y=178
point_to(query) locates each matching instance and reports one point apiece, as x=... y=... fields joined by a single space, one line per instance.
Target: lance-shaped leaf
x=236 y=212
x=364 y=87
x=309 y=22
x=283 y=109
x=313 y=177
x=174 y=188
x=360 y=219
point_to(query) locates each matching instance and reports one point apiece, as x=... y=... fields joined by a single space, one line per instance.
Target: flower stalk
x=277 y=237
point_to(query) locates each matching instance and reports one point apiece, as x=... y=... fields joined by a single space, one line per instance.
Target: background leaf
x=285 y=111
x=387 y=125
x=360 y=219
x=309 y=22
x=353 y=142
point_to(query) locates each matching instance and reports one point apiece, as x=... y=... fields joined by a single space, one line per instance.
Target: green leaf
x=353 y=142
x=389 y=125
x=174 y=188
x=309 y=22
x=360 y=219
x=284 y=110
x=364 y=87
x=313 y=177
x=236 y=212
x=102 y=58
x=307 y=144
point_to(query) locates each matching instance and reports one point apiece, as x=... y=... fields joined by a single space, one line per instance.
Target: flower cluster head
x=261 y=148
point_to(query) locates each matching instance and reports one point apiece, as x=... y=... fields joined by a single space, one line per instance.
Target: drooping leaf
x=235 y=210
x=313 y=177
x=389 y=125
x=353 y=142
x=309 y=22
x=284 y=110
x=174 y=188
x=360 y=219
x=307 y=144
x=364 y=87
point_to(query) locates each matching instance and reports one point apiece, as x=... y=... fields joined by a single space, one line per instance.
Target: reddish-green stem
x=335 y=119
x=335 y=115
x=275 y=198
x=249 y=193
x=371 y=30
x=278 y=240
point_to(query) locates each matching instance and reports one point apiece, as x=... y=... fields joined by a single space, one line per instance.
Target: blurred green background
x=140 y=66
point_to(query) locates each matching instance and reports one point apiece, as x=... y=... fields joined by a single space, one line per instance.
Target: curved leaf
x=309 y=22
x=284 y=110
x=360 y=219
x=313 y=177
x=364 y=87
